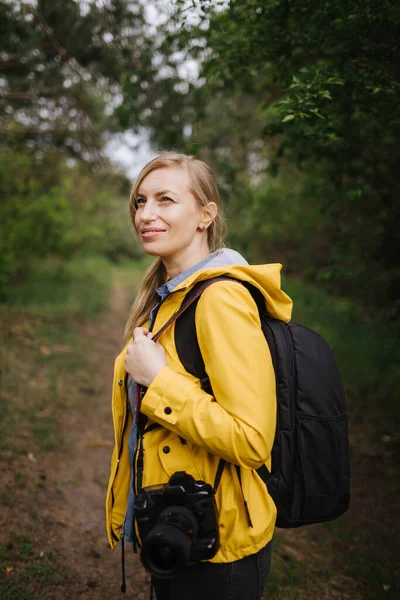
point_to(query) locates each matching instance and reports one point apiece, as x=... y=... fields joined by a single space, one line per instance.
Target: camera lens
x=167 y=547
x=164 y=556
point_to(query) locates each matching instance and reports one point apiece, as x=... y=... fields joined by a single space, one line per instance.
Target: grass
x=41 y=350
x=287 y=576
x=57 y=288
x=39 y=357
x=25 y=571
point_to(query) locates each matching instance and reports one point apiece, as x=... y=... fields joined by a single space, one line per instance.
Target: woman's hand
x=144 y=358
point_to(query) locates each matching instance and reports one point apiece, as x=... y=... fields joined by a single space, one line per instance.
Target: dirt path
x=76 y=518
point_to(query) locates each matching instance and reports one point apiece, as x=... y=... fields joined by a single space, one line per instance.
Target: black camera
x=177 y=523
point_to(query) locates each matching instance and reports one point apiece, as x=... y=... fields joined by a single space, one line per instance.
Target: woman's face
x=168 y=216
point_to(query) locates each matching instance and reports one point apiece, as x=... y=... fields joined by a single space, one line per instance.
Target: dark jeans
x=239 y=580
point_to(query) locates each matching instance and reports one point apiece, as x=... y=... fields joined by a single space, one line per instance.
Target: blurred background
x=296 y=107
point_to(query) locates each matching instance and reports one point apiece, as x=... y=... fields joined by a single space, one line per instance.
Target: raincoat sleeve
x=238 y=422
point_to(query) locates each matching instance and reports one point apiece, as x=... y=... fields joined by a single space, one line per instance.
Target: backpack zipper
x=292 y=372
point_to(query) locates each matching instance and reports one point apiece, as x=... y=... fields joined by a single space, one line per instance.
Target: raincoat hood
x=266 y=278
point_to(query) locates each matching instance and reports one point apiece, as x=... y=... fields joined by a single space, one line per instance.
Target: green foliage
x=34 y=215
x=306 y=97
x=57 y=287
x=276 y=212
x=306 y=88
x=335 y=67
x=63 y=64
x=51 y=210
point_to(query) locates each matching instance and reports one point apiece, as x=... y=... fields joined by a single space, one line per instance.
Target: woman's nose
x=148 y=212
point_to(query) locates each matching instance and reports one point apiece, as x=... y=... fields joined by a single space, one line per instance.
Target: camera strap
x=250 y=523
x=217 y=480
x=218 y=474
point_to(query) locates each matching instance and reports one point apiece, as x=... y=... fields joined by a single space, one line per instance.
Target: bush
x=50 y=209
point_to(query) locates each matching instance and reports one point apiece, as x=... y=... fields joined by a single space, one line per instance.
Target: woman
x=176 y=212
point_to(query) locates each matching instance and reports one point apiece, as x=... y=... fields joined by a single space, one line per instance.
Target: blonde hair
x=204 y=188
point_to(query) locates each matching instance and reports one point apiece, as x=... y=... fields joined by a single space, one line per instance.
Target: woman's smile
x=148 y=233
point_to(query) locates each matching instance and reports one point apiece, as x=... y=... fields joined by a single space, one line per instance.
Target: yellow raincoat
x=238 y=424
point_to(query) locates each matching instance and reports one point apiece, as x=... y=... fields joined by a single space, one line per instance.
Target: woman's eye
x=140 y=202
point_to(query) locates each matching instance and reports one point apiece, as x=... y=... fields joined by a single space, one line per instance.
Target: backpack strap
x=186 y=341
x=188 y=300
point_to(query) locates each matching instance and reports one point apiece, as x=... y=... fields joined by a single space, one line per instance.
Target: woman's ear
x=209 y=213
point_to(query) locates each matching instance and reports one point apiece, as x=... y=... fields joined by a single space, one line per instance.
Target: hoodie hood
x=266 y=278
x=225 y=257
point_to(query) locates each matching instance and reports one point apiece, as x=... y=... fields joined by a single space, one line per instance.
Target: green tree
x=318 y=85
x=60 y=212
x=62 y=65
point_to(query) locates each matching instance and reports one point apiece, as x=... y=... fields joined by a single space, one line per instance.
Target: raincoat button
x=168 y=410
x=166 y=449
x=120 y=382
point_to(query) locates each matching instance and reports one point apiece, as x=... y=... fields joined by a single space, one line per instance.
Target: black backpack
x=310 y=475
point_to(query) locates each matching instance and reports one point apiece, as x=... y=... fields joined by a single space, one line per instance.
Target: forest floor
x=53 y=481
